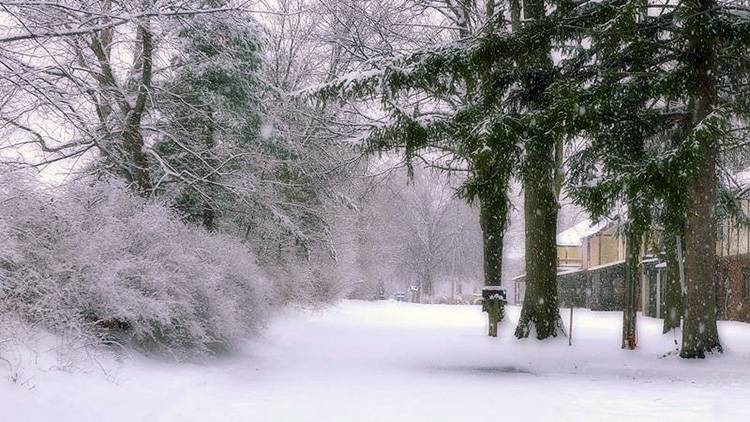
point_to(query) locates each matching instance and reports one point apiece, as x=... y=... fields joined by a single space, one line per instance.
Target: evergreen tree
x=540 y=136
x=464 y=120
x=507 y=126
x=233 y=154
x=671 y=82
x=213 y=114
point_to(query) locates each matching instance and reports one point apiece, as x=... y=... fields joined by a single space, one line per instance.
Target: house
x=591 y=269
x=589 y=244
x=587 y=252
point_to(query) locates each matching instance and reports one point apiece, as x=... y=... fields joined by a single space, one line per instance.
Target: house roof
x=574 y=236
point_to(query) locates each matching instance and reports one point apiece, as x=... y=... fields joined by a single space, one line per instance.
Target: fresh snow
x=574 y=236
x=390 y=361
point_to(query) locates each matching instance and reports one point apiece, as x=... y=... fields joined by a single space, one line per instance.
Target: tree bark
x=515 y=14
x=630 y=299
x=137 y=166
x=493 y=220
x=493 y=217
x=209 y=216
x=700 y=334
x=540 y=307
x=673 y=287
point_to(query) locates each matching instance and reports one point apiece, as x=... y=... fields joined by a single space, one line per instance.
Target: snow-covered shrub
x=94 y=258
x=308 y=283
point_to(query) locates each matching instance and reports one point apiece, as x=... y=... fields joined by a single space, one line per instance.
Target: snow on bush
x=95 y=259
x=315 y=282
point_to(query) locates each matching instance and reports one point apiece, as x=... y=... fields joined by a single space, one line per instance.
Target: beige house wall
x=594 y=247
x=609 y=249
x=568 y=256
x=734 y=238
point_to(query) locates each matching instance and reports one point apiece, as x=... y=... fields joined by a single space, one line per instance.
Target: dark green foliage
x=213 y=112
x=647 y=95
x=466 y=119
x=660 y=100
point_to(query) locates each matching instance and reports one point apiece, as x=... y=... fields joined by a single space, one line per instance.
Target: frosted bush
x=308 y=283
x=93 y=258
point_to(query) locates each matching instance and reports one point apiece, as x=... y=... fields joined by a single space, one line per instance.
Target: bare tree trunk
x=700 y=334
x=209 y=216
x=540 y=306
x=493 y=219
x=630 y=299
x=515 y=14
x=673 y=288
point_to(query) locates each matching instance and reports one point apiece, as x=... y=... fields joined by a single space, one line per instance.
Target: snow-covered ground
x=389 y=361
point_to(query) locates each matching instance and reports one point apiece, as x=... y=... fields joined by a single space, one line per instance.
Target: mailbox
x=494 y=299
x=494 y=292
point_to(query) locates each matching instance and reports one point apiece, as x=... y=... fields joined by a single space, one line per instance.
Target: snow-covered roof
x=574 y=236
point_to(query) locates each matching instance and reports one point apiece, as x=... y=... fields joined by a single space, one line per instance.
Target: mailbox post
x=493 y=302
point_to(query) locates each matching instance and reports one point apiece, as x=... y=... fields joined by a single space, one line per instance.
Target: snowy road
x=391 y=361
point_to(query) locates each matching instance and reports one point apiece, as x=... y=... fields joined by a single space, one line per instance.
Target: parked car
x=399 y=297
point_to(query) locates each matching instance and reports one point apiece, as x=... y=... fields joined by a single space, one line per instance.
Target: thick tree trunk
x=540 y=306
x=700 y=334
x=493 y=219
x=630 y=299
x=136 y=161
x=540 y=311
x=427 y=287
x=672 y=287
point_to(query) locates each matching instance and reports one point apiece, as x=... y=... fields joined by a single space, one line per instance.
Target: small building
x=732 y=287
x=589 y=244
x=591 y=259
x=591 y=270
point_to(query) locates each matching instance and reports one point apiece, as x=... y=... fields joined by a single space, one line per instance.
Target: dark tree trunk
x=515 y=14
x=137 y=162
x=493 y=220
x=672 y=286
x=209 y=216
x=426 y=287
x=540 y=311
x=700 y=334
x=630 y=299
x=540 y=306
x=493 y=217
